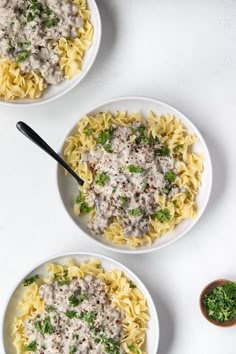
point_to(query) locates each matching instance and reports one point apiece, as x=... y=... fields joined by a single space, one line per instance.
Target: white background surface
x=179 y=51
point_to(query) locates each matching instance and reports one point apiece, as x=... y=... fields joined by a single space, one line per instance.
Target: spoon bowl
x=206 y=291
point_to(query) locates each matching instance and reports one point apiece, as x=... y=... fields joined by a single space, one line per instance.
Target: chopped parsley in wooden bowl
x=218 y=302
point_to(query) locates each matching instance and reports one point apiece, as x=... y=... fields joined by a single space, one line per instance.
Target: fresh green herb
x=144 y=187
x=133 y=349
x=50 y=308
x=105 y=136
x=101 y=179
x=135 y=212
x=114 y=189
x=85 y=208
x=123 y=200
x=174 y=202
x=170 y=176
x=162 y=215
x=132 y=285
x=166 y=189
x=89 y=317
x=76 y=336
x=30 y=17
x=178 y=147
x=72 y=349
x=48 y=11
x=79 y=199
x=22 y=44
x=141 y=129
x=31 y=280
x=88 y=131
x=45 y=326
x=31 y=347
x=164 y=151
x=221 y=302
x=71 y=314
x=135 y=169
x=111 y=346
x=74 y=301
x=22 y=55
x=65 y=273
x=153 y=141
x=51 y=22
x=108 y=148
x=63 y=282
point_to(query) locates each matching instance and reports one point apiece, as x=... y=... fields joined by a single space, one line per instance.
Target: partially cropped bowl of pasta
x=47 y=47
x=146 y=172
x=81 y=303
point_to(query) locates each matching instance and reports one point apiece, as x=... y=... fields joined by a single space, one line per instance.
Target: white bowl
x=55 y=91
x=107 y=263
x=68 y=187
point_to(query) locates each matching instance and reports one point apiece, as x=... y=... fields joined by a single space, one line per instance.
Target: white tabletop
x=181 y=52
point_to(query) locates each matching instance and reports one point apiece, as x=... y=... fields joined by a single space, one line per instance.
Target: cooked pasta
x=123 y=293
x=173 y=195
x=31 y=83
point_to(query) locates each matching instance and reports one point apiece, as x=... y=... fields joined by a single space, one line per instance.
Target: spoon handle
x=33 y=136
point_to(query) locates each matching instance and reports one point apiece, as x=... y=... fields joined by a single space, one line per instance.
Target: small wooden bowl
x=207 y=290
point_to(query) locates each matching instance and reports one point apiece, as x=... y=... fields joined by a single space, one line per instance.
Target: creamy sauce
x=30 y=29
x=135 y=170
x=78 y=319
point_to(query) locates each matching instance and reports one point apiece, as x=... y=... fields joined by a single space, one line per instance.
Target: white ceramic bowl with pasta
x=53 y=92
x=68 y=188
x=108 y=264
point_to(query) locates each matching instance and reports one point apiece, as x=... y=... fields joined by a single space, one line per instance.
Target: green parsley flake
x=170 y=176
x=71 y=314
x=162 y=215
x=105 y=136
x=108 y=148
x=31 y=280
x=101 y=179
x=31 y=347
x=22 y=55
x=164 y=151
x=135 y=169
x=178 y=147
x=134 y=349
x=135 y=212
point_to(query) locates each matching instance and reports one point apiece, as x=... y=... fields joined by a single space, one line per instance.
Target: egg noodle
x=125 y=296
x=15 y=84
x=171 y=132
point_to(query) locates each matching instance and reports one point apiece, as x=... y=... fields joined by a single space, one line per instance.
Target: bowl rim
x=80 y=76
x=102 y=257
x=206 y=290
x=148 y=249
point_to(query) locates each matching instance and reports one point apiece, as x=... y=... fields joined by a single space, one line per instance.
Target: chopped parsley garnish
x=174 y=202
x=31 y=347
x=166 y=189
x=75 y=301
x=79 y=199
x=164 y=151
x=71 y=314
x=162 y=215
x=144 y=187
x=22 y=44
x=178 y=147
x=85 y=208
x=135 y=212
x=221 y=302
x=30 y=17
x=22 y=55
x=141 y=138
x=114 y=189
x=51 y=22
x=45 y=326
x=63 y=282
x=31 y=280
x=170 y=176
x=105 y=136
x=101 y=179
x=108 y=148
x=50 y=308
x=135 y=169
x=72 y=349
x=132 y=285
x=48 y=11
x=88 y=131
x=88 y=317
x=153 y=141
x=110 y=345
x=123 y=200
x=134 y=349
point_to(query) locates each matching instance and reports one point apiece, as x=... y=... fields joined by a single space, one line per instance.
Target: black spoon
x=33 y=136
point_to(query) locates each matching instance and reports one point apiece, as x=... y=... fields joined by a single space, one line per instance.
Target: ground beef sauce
x=129 y=169
x=78 y=319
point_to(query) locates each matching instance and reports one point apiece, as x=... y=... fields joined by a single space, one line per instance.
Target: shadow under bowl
x=206 y=291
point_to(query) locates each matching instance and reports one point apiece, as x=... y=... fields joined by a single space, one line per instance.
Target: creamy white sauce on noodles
x=129 y=169
x=78 y=319
x=30 y=29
